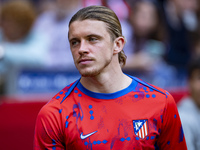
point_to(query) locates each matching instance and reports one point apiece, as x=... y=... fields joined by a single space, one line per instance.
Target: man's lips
x=85 y=61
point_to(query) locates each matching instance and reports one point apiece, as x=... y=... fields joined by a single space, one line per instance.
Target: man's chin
x=89 y=74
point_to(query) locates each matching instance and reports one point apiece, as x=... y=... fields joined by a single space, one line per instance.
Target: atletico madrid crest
x=140 y=128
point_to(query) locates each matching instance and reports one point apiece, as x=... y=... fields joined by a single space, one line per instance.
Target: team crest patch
x=140 y=128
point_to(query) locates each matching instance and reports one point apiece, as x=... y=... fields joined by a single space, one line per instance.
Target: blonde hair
x=106 y=15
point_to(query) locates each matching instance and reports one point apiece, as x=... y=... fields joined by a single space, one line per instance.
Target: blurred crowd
x=162 y=36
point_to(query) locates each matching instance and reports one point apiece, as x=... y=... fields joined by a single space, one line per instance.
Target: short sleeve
x=48 y=128
x=171 y=134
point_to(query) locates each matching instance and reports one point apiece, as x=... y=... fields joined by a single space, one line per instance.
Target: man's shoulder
x=56 y=102
x=153 y=88
x=64 y=93
x=155 y=93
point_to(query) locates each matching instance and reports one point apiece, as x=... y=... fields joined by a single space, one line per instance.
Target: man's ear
x=119 y=44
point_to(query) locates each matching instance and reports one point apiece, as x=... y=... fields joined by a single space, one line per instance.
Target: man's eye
x=92 y=39
x=73 y=43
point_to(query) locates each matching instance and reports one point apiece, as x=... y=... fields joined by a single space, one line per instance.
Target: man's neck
x=106 y=83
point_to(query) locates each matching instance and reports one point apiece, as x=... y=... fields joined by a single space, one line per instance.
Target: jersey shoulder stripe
x=148 y=85
x=70 y=90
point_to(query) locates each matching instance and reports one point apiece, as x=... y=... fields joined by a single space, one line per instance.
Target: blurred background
x=162 y=36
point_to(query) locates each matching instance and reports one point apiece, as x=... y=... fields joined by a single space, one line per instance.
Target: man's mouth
x=85 y=61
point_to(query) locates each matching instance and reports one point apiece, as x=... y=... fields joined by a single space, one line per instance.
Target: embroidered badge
x=140 y=128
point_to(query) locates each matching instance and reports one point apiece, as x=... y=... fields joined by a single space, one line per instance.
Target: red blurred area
x=17 y=121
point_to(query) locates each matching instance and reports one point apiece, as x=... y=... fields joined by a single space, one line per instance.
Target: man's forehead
x=87 y=19
x=88 y=26
x=88 y=22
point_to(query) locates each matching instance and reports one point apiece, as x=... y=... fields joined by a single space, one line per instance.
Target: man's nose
x=83 y=47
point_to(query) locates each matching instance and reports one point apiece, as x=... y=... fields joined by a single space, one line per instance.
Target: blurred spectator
x=145 y=47
x=189 y=107
x=19 y=46
x=180 y=19
x=54 y=24
x=120 y=7
x=91 y=2
x=195 y=36
x=45 y=5
x=195 y=41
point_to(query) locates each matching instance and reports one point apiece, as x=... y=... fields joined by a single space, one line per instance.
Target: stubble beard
x=94 y=70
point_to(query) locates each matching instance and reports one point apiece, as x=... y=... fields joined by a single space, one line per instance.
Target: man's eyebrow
x=95 y=35
x=73 y=39
x=87 y=36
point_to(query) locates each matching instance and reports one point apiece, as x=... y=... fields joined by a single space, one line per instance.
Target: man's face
x=194 y=85
x=91 y=47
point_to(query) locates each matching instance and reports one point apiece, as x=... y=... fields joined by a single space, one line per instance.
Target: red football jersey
x=140 y=116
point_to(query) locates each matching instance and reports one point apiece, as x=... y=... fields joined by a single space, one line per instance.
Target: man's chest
x=112 y=124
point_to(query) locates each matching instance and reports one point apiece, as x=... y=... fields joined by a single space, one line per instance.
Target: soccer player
x=106 y=109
